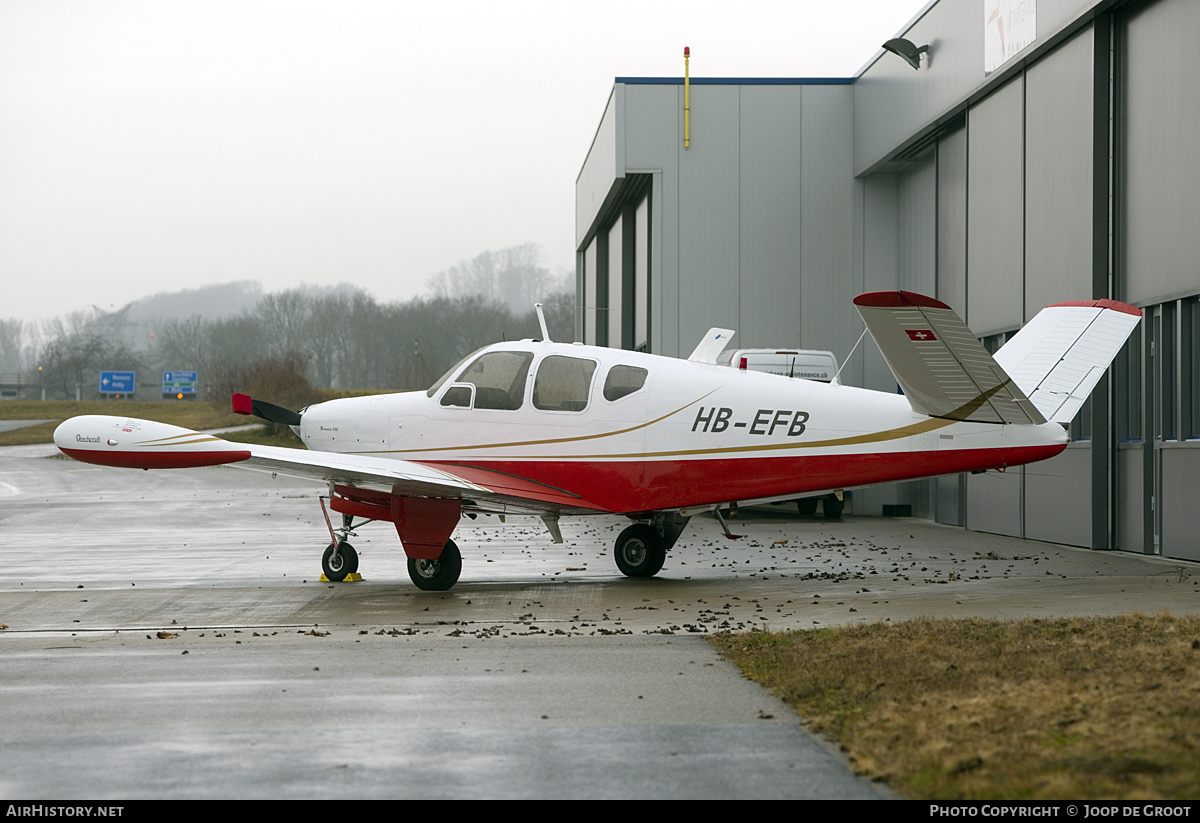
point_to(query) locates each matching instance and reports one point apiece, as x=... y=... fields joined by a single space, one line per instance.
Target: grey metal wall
x=1011 y=229
x=1058 y=175
x=995 y=225
x=1160 y=135
x=794 y=198
x=827 y=246
x=742 y=223
x=1158 y=261
x=770 y=216
x=894 y=105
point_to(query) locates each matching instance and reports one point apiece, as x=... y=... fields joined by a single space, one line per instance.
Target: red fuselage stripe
x=636 y=485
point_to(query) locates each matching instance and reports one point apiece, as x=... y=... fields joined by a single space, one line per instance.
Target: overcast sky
x=151 y=146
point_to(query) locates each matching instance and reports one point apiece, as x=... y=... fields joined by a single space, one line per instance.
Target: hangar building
x=1050 y=156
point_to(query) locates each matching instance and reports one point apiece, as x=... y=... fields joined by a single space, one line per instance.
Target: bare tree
x=12 y=333
x=512 y=276
x=284 y=317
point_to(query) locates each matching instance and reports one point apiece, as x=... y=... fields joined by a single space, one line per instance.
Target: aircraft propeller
x=245 y=404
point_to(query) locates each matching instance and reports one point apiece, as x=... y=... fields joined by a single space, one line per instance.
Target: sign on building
x=1009 y=27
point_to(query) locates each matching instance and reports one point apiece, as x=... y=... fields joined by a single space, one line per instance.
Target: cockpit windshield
x=452 y=371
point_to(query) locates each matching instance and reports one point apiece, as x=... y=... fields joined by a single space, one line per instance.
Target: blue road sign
x=117 y=382
x=180 y=382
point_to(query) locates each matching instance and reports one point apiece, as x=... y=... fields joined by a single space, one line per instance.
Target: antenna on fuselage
x=542 y=320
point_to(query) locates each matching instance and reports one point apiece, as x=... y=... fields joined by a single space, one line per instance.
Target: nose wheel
x=339 y=561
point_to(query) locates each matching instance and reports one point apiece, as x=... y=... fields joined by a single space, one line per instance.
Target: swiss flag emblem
x=920 y=335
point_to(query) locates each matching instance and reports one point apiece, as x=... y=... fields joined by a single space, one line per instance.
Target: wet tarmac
x=168 y=636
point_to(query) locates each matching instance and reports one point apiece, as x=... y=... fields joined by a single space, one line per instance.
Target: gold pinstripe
x=931 y=424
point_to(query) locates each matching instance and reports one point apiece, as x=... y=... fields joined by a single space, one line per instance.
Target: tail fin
x=943 y=370
x=1060 y=355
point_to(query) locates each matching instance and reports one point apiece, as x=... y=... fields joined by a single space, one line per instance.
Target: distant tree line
x=338 y=338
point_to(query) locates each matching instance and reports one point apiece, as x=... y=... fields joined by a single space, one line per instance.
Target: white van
x=803 y=364
x=806 y=364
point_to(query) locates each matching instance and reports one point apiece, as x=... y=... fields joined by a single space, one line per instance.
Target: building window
x=1129 y=389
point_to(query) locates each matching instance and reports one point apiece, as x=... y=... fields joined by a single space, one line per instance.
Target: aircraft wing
x=144 y=444
x=942 y=368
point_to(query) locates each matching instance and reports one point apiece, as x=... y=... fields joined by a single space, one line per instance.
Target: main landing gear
x=642 y=548
x=437 y=575
x=424 y=526
x=830 y=504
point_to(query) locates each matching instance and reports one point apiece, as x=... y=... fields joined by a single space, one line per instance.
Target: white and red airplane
x=558 y=429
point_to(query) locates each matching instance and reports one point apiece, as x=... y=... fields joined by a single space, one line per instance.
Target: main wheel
x=339 y=564
x=437 y=575
x=640 y=551
x=833 y=507
x=807 y=506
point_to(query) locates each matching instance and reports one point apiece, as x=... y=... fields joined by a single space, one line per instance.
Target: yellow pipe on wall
x=687 y=100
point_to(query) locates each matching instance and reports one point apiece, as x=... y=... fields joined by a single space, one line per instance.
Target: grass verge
x=1074 y=708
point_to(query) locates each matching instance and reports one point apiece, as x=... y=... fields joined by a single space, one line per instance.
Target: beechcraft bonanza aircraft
x=557 y=429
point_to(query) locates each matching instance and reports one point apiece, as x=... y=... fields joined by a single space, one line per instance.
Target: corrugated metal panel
x=641 y=280
x=994 y=502
x=1130 y=485
x=769 y=216
x=827 y=282
x=917 y=200
x=1162 y=165
x=1058 y=176
x=598 y=177
x=952 y=222
x=708 y=219
x=653 y=135
x=880 y=242
x=591 y=296
x=1180 y=479
x=994 y=205
x=894 y=104
x=615 y=282
x=653 y=142
x=1057 y=507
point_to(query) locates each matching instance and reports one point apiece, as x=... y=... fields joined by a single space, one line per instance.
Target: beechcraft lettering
x=559 y=429
x=765 y=421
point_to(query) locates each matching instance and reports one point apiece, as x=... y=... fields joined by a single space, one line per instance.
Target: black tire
x=640 y=551
x=437 y=575
x=833 y=507
x=338 y=566
x=807 y=506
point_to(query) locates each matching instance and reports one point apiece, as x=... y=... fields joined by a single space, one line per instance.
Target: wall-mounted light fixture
x=909 y=51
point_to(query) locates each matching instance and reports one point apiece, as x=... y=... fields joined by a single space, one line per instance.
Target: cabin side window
x=563 y=383
x=499 y=379
x=623 y=380
x=457 y=396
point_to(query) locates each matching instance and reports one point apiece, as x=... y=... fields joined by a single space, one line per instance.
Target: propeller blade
x=245 y=404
